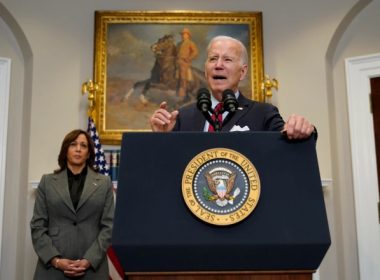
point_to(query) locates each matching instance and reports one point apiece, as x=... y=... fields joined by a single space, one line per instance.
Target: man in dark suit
x=226 y=65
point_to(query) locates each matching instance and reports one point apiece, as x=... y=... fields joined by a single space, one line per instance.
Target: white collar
x=215 y=102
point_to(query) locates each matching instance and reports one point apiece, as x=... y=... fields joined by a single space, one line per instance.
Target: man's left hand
x=297 y=127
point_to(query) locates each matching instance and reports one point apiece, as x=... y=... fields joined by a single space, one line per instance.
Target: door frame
x=359 y=70
x=5 y=74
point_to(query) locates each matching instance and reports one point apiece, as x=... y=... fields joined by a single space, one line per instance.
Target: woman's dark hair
x=69 y=138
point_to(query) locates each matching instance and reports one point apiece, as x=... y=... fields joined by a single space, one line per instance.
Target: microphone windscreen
x=230 y=102
x=203 y=92
x=203 y=100
x=227 y=93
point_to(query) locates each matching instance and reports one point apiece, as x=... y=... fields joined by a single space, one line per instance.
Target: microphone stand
x=204 y=105
x=228 y=118
x=230 y=104
x=211 y=122
x=217 y=124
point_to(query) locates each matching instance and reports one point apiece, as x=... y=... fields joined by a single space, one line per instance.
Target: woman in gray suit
x=73 y=214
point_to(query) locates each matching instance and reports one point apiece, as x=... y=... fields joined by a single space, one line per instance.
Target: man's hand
x=297 y=127
x=162 y=120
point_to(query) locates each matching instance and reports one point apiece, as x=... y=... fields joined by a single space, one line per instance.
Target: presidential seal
x=221 y=186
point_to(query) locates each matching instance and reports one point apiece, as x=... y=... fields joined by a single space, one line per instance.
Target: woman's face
x=78 y=153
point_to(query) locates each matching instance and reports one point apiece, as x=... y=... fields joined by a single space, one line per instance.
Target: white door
x=358 y=72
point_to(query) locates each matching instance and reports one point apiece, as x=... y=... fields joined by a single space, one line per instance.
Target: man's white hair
x=243 y=49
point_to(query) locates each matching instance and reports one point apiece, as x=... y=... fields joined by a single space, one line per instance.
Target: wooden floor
x=286 y=275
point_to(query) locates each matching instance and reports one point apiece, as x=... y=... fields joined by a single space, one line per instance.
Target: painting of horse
x=142 y=69
x=163 y=81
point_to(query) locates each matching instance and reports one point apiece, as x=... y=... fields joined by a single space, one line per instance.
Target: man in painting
x=226 y=65
x=187 y=51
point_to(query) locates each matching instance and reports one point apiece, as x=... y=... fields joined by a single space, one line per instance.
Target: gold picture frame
x=128 y=67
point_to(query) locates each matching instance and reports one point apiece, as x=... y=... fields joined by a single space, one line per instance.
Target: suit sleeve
x=177 y=125
x=273 y=120
x=39 y=225
x=97 y=251
x=185 y=113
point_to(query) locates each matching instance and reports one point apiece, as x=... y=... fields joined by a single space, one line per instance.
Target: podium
x=156 y=236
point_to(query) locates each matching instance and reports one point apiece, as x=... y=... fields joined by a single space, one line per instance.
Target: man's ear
x=244 y=71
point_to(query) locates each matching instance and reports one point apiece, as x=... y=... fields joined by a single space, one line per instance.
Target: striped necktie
x=217 y=117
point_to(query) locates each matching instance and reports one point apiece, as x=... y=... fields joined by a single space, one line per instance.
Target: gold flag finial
x=91 y=88
x=267 y=86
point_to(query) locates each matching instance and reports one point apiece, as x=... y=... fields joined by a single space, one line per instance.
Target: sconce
x=90 y=88
x=267 y=85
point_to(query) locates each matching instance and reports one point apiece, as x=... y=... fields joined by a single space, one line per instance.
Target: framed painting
x=136 y=65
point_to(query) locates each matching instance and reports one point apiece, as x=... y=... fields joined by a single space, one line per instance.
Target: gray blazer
x=60 y=230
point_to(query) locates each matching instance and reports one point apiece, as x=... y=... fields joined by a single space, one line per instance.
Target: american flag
x=115 y=270
x=100 y=159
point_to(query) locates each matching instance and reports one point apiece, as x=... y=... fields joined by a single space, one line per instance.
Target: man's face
x=223 y=67
x=185 y=36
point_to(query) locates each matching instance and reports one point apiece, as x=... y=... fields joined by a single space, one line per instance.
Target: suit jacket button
x=75 y=223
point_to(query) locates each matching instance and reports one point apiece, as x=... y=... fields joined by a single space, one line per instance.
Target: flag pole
x=115 y=271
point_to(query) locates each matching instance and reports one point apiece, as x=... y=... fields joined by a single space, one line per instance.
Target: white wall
x=297 y=35
x=16 y=186
x=361 y=38
x=61 y=37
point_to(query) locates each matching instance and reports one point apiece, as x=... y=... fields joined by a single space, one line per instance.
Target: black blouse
x=76 y=184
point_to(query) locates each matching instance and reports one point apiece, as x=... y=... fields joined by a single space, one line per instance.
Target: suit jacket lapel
x=199 y=120
x=62 y=188
x=90 y=185
x=244 y=105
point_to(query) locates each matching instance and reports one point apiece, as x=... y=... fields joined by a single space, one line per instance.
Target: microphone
x=204 y=100
x=204 y=105
x=230 y=104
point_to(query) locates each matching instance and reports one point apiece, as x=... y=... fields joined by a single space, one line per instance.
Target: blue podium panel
x=155 y=231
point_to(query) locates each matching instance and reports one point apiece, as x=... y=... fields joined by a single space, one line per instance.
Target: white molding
x=316 y=275
x=5 y=74
x=34 y=184
x=325 y=183
x=358 y=72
